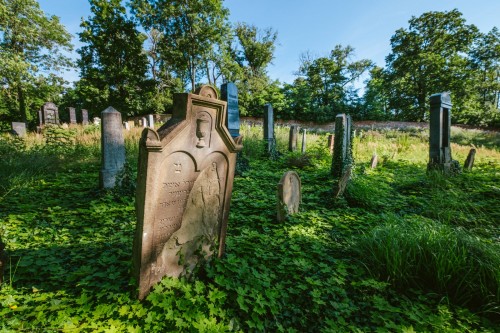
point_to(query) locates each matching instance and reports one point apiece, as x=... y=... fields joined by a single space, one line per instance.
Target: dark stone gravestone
x=229 y=93
x=439 y=141
x=269 y=128
x=19 y=129
x=374 y=161
x=304 y=137
x=331 y=140
x=342 y=145
x=184 y=186
x=293 y=137
x=469 y=161
x=84 y=117
x=289 y=195
x=112 y=148
x=49 y=114
x=72 y=115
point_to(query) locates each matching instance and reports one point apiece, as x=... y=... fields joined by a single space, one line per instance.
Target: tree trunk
x=22 y=103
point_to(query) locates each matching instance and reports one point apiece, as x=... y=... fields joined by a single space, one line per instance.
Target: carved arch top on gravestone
x=289 y=195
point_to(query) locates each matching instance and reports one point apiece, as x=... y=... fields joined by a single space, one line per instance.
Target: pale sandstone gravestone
x=19 y=129
x=72 y=115
x=184 y=187
x=304 y=136
x=289 y=195
x=469 y=161
x=269 y=128
x=229 y=93
x=374 y=161
x=131 y=124
x=342 y=158
x=439 y=134
x=112 y=148
x=144 y=122
x=151 y=121
x=331 y=141
x=48 y=114
x=292 y=138
x=126 y=126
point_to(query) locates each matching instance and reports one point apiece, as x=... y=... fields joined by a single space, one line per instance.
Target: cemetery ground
x=404 y=250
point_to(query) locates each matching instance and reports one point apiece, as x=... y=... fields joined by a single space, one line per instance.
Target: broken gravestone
x=289 y=195
x=112 y=148
x=292 y=139
x=469 y=161
x=184 y=186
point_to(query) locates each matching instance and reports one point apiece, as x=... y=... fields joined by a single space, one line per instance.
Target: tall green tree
x=376 y=97
x=112 y=62
x=31 y=56
x=429 y=57
x=191 y=32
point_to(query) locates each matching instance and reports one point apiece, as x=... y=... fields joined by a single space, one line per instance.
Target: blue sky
x=317 y=26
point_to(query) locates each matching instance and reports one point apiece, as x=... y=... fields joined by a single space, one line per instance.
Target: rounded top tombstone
x=207 y=91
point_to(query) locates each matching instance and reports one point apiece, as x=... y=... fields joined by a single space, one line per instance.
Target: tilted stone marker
x=374 y=161
x=72 y=115
x=49 y=114
x=229 y=93
x=289 y=195
x=184 y=186
x=439 y=141
x=469 y=161
x=304 y=136
x=293 y=137
x=331 y=140
x=151 y=121
x=19 y=129
x=269 y=127
x=112 y=148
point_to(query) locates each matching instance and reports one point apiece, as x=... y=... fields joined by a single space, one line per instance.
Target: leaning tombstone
x=289 y=195
x=269 y=128
x=331 y=140
x=304 y=135
x=292 y=138
x=151 y=121
x=439 y=140
x=112 y=148
x=19 y=129
x=469 y=161
x=184 y=186
x=72 y=115
x=49 y=114
x=374 y=161
x=229 y=93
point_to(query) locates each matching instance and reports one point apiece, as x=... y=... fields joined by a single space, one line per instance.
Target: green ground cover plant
x=403 y=251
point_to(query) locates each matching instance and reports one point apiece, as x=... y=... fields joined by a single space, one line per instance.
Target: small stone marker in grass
x=374 y=161
x=184 y=186
x=19 y=129
x=292 y=138
x=289 y=195
x=304 y=137
x=331 y=140
x=469 y=161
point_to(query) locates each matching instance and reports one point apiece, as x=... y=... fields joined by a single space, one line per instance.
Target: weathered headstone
x=342 y=145
x=144 y=122
x=469 y=161
x=304 y=136
x=331 y=140
x=19 y=129
x=374 y=161
x=269 y=127
x=126 y=126
x=72 y=115
x=49 y=114
x=85 y=117
x=184 y=186
x=289 y=195
x=112 y=147
x=292 y=139
x=439 y=130
x=97 y=121
x=151 y=121
x=229 y=93
x=131 y=123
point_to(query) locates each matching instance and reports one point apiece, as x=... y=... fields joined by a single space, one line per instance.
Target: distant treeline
x=134 y=58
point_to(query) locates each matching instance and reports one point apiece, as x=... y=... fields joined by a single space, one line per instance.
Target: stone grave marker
x=340 y=186
x=131 y=123
x=72 y=115
x=439 y=140
x=374 y=161
x=331 y=140
x=292 y=138
x=48 y=114
x=96 y=121
x=144 y=122
x=269 y=127
x=469 y=161
x=304 y=136
x=184 y=187
x=19 y=129
x=342 y=145
x=229 y=93
x=85 y=117
x=112 y=147
x=151 y=121
x=289 y=195
x=126 y=126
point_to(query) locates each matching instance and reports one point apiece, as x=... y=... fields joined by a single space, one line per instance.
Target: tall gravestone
x=331 y=140
x=112 y=147
x=292 y=138
x=439 y=140
x=304 y=143
x=49 y=114
x=289 y=195
x=229 y=93
x=342 y=145
x=19 y=129
x=84 y=117
x=144 y=122
x=184 y=187
x=269 y=127
x=72 y=115
x=151 y=121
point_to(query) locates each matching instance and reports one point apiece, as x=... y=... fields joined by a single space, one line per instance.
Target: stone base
x=452 y=167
